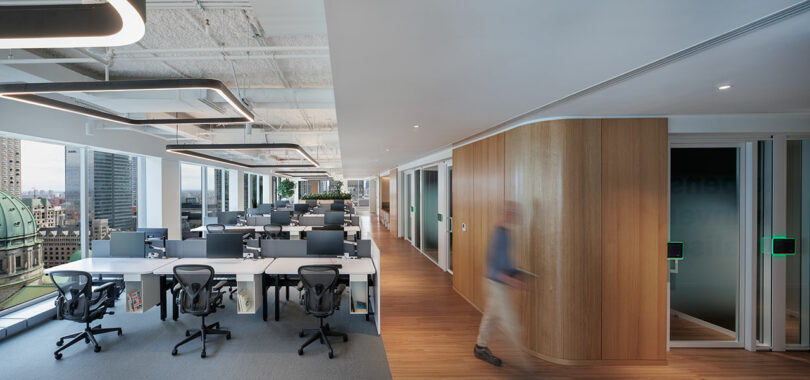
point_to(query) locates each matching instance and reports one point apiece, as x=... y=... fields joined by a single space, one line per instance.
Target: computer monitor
x=265 y=208
x=336 y=207
x=223 y=246
x=155 y=233
x=301 y=208
x=333 y=217
x=281 y=217
x=127 y=244
x=341 y=201
x=325 y=243
x=228 y=218
x=279 y=204
x=312 y=202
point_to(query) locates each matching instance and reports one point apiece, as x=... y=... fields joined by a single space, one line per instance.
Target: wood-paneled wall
x=566 y=180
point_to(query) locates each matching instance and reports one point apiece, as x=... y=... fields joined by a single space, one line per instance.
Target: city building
x=10 y=166
x=59 y=243
x=111 y=192
x=20 y=247
x=47 y=215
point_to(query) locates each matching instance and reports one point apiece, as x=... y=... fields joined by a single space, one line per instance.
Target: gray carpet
x=257 y=350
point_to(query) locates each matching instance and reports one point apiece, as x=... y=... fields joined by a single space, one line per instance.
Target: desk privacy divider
x=185 y=248
x=101 y=248
x=284 y=248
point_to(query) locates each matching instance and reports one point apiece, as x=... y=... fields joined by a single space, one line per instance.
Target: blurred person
x=501 y=276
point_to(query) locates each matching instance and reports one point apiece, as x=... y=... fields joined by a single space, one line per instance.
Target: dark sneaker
x=485 y=354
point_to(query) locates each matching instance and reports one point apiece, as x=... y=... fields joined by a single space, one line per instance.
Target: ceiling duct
x=101 y=24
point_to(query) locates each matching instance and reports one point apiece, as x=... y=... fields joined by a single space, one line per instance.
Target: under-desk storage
x=142 y=292
x=358 y=291
x=248 y=289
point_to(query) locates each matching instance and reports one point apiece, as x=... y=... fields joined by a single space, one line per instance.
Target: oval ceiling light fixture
x=103 y=24
x=723 y=87
x=416 y=125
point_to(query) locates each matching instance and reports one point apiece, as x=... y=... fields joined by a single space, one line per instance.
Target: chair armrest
x=176 y=288
x=219 y=285
x=103 y=287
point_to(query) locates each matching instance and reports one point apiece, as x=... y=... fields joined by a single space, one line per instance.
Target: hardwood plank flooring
x=429 y=331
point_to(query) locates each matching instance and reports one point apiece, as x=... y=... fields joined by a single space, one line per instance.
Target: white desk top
x=290 y=265
x=222 y=266
x=350 y=229
x=114 y=265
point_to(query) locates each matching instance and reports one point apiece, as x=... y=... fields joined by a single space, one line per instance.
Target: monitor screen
x=265 y=208
x=228 y=218
x=784 y=246
x=226 y=245
x=336 y=207
x=333 y=217
x=127 y=244
x=340 y=201
x=325 y=243
x=280 y=217
x=281 y=204
x=301 y=208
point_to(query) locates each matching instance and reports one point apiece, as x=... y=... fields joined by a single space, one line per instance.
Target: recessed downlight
x=723 y=87
x=387 y=149
x=416 y=125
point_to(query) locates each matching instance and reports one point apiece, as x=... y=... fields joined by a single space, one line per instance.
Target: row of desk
x=147 y=280
x=295 y=231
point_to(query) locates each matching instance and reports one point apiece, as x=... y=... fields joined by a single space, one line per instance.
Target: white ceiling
x=460 y=67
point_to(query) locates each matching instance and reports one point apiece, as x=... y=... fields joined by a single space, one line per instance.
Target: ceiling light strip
x=190 y=150
x=133 y=27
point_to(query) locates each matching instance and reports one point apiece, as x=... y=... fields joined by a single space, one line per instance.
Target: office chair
x=321 y=295
x=215 y=228
x=272 y=231
x=198 y=297
x=78 y=301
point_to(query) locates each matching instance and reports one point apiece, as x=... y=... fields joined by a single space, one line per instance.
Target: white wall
x=171 y=198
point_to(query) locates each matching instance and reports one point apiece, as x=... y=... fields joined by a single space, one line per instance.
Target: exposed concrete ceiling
x=457 y=68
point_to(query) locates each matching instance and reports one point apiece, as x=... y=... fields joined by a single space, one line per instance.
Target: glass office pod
x=705 y=204
x=417 y=208
x=450 y=217
x=430 y=214
x=797 y=276
x=408 y=214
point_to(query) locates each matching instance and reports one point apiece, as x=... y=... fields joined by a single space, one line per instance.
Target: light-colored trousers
x=499 y=312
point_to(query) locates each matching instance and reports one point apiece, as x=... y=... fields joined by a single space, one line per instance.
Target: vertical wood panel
x=463 y=168
x=634 y=217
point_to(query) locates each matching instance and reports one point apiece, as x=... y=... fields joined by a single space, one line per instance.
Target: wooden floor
x=682 y=329
x=429 y=331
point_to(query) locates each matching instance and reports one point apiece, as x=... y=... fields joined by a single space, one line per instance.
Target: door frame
x=746 y=295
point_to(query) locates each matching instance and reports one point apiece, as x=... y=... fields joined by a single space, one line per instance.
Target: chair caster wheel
x=57 y=356
x=202 y=354
x=86 y=340
x=345 y=338
x=300 y=351
x=174 y=352
x=331 y=355
x=228 y=336
x=97 y=349
x=60 y=342
x=300 y=335
x=187 y=333
x=120 y=332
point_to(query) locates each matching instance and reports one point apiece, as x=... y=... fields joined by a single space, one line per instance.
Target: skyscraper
x=72 y=204
x=111 y=195
x=10 y=166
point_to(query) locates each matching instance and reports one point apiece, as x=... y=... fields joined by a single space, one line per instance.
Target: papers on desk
x=134 y=300
x=244 y=301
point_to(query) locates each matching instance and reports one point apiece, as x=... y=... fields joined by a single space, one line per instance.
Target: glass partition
x=797 y=312
x=430 y=214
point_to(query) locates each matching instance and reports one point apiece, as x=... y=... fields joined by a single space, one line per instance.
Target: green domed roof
x=16 y=222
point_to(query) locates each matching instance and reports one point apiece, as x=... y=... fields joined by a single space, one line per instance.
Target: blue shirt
x=498 y=260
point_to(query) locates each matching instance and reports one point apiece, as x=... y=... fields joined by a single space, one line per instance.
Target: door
x=430 y=212
x=408 y=212
x=706 y=200
x=416 y=209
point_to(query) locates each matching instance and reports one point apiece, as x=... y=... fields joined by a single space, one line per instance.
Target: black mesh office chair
x=198 y=297
x=321 y=295
x=78 y=301
x=215 y=228
x=272 y=231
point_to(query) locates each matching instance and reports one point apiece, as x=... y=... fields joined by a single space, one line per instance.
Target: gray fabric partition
x=185 y=248
x=258 y=220
x=311 y=220
x=101 y=248
x=364 y=248
x=284 y=248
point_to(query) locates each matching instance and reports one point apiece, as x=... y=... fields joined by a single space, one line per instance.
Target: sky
x=43 y=166
x=190 y=177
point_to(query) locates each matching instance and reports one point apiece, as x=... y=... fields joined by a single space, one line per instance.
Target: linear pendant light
x=193 y=150
x=31 y=93
x=110 y=23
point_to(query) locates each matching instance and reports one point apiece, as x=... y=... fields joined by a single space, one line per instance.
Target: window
x=112 y=198
x=190 y=196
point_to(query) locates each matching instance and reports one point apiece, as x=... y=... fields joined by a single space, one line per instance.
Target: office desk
x=363 y=267
x=295 y=231
x=249 y=275
x=141 y=284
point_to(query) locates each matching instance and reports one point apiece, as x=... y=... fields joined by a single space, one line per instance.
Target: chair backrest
x=319 y=283
x=215 y=228
x=75 y=291
x=196 y=282
x=272 y=230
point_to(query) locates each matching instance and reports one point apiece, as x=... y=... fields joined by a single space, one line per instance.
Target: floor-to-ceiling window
x=112 y=197
x=190 y=196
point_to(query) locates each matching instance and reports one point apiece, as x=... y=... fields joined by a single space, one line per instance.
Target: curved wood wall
x=593 y=229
